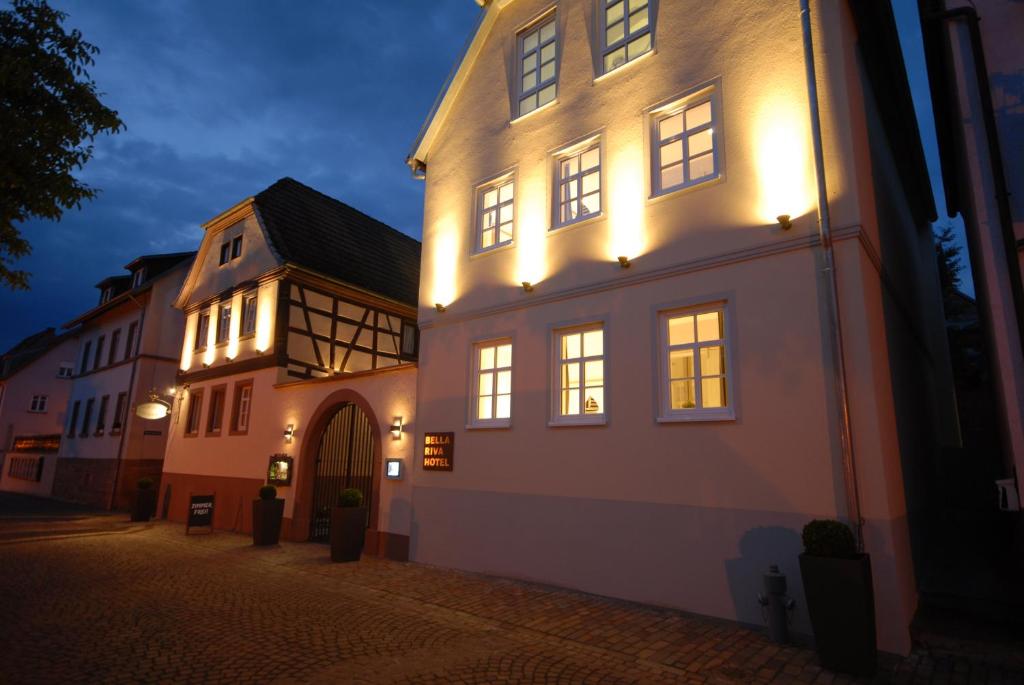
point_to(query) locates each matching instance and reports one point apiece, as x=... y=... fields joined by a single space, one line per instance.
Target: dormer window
x=106 y=295
x=137 y=277
x=538 y=66
x=230 y=250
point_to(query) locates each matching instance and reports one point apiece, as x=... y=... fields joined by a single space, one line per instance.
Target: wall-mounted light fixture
x=440 y=308
x=393 y=469
x=156 y=408
x=785 y=223
x=527 y=287
x=396 y=428
x=289 y=432
x=624 y=262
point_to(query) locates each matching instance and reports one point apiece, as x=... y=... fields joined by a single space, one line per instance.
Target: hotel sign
x=438 y=451
x=36 y=443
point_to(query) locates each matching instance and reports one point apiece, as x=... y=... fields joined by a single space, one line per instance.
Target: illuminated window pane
x=486 y=384
x=591 y=183
x=571 y=376
x=505 y=192
x=593 y=373
x=570 y=402
x=530 y=40
x=504 y=356
x=671 y=153
x=712 y=361
x=503 y=408
x=547 y=32
x=615 y=32
x=490 y=198
x=698 y=115
x=547 y=53
x=529 y=80
x=639 y=46
x=702 y=167
x=680 y=330
x=547 y=72
x=684 y=395
x=593 y=343
x=484 y=408
x=670 y=126
x=504 y=382
x=638 y=21
x=590 y=159
x=680 y=364
x=615 y=59
x=594 y=403
x=528 y=104
x=712 y=392
x=614 y=13
x=672 y=176
x=487 y=358
x=571 y=346
x=709 y=326
x=699 y=143
x=591 y=204
x=494 y=382
x=546 y=95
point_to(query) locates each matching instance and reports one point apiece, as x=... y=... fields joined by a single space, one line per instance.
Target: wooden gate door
x=344 y=460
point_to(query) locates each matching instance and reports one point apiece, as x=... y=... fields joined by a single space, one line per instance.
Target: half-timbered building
x=298 y=366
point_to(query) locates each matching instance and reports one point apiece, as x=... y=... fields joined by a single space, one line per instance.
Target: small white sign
x=393 y=469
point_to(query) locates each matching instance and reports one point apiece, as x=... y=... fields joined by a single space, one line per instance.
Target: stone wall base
x=85 y=481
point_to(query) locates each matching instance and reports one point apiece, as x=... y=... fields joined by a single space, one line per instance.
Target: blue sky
x=223 y=98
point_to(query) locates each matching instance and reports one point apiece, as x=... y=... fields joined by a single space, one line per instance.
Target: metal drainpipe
x=136 y=345
x=835 y=322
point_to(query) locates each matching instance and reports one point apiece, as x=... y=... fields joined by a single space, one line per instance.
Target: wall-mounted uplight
x=527 y=287
x=440 y=308
x=785 y=223
x=289 y=432
x=396 y=428
x=624 y=262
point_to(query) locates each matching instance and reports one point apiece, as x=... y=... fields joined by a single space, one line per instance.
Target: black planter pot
x=841 y=603
x=348 y=532
x=266 y=521
x=143 y=504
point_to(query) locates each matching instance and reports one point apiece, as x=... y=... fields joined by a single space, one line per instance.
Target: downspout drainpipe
x=835 y=321
x=128 y=404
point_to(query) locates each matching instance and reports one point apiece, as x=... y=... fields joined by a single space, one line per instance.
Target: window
x=685 y=150
x=215 y=417
x=224 y=323
x=85 y=356
x=249 y=314
x=236 y=247
x=73 y=421
x=694 y=364
x=38 y=404
x=538 y=66
x=65 y=370
x=225 y=252
x=578 y=184
x=106 y=294
x=115 y=339
x=580 y=368
x=492 y=381
x=627 y=31
x=87 y=417
x=101 y=418
x=195 y=407
x=98 y=360
x=202 y=330
x=242 y=408
x=129 y=343
x=496 y=214
x=231 y=249
x=408 y=339
x=118 y=419
x=137 y=277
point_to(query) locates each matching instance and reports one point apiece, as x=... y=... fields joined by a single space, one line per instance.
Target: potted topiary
x=840 y=598
x=144 y=500
x=348 y=526
x=267 y=512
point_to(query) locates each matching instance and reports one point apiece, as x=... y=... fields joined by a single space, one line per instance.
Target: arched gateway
x=343 y=452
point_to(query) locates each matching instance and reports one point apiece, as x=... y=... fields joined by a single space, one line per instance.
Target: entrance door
x=344 y=460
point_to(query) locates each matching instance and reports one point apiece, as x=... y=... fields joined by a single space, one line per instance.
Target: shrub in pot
x=348 y=526
x=267 y=512
x=840 y=598
x=144 y=500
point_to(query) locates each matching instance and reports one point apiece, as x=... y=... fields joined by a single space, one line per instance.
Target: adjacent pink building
x=625 y=303
x=298 y=366
x=35 y=383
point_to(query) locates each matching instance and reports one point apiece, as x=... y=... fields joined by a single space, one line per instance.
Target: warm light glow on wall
x=189 y=343
x=236 y=325
x=266 y=298
x=531 y=232
x=210 y=354
x=444 y=289
x=782 y=150
x=627 y=229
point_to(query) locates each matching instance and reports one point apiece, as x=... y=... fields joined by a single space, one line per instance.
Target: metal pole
x=835 y=321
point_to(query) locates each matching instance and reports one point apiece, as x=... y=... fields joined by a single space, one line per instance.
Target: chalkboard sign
x=200 y=513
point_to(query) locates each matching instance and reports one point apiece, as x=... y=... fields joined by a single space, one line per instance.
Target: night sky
x=223 y=98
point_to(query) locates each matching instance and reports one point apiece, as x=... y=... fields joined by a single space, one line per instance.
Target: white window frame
x=223 y=331
x=138 y=277
x=666 y=414
x=708 y=93
x=38 y=404
x=65 y=370
x=202 y=332
x=248 y=326
x=244 y=408
x=555 y=375
x=576 y=150
x=522 y=53
x=474 y=384
x=481 y=192
x=629 y=7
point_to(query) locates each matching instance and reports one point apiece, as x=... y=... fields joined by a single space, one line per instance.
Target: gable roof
x=311 y=230
x=28 y=350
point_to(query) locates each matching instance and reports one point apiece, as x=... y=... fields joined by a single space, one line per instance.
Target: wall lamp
x=289 y=433
x=527 y=287
x=624 y=262
x=396 y=428
x=440 y=308
x=785 y=223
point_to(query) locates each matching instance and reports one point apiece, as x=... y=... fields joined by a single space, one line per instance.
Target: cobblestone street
x=95 y=599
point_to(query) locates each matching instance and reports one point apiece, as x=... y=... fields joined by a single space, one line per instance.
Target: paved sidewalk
x=107 y=601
